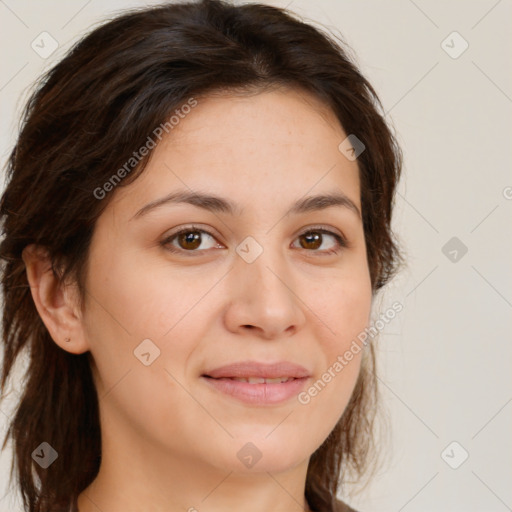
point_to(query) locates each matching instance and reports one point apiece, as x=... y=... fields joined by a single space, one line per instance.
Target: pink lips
x=293 y=378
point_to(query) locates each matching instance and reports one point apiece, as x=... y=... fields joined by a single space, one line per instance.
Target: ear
x=56 y=302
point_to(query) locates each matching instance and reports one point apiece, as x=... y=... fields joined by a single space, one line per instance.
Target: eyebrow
x=219 y=204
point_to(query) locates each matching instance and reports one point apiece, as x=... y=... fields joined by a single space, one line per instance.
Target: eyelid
x=322 y=228
x=190 y=227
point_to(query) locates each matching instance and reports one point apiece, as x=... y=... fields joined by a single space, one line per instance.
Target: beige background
x=445 y=361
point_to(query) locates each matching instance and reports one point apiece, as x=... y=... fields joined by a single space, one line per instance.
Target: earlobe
x=56 y=302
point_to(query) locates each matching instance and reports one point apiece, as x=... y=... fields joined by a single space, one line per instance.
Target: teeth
x=255 y=380
x=261 y=380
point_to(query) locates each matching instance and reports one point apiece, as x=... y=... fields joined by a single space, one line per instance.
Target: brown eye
x=189 y=239
x=313 y=240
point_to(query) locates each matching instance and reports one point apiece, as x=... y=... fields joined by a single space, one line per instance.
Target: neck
x=177 y=482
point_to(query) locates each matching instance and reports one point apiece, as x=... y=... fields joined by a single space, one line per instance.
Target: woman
x=196 y=221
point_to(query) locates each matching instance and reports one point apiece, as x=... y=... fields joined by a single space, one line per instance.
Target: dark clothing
x=343 y=507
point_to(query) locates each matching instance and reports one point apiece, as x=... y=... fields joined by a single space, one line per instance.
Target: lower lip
x=258 y=394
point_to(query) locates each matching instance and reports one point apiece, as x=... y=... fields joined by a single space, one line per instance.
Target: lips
x=255 y=370
x=261 y=380
x=258 y=383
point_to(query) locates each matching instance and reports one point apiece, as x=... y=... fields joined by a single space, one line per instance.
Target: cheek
x=132 y=295
x=345 y=310
x=126 y=307
x=345 y=307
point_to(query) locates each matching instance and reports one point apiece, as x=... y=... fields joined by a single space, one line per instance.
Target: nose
x=264 y=300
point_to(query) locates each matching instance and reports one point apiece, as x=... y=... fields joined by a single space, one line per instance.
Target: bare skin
x=171 y=442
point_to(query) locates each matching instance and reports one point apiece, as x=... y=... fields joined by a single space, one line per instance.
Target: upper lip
x=246 y=369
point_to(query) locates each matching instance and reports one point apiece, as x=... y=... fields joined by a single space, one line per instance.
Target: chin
x=257 y=454
x=269 y=464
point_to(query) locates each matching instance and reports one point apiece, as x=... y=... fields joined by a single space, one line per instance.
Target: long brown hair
x=87 y=116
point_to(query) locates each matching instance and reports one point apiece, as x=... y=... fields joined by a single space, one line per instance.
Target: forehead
x=274 y=143
x=278 y=114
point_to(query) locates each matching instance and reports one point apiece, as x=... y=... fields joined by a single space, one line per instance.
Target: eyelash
x=341 y=241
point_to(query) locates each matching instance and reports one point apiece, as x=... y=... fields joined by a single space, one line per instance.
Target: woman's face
x=257 y=278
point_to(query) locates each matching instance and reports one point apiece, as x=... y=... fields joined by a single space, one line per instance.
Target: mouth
x=255 y=380
x=258 y=383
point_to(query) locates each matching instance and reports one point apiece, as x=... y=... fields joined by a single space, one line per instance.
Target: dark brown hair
x=87 y=116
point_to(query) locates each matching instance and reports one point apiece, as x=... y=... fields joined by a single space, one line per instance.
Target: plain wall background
x=445 y=360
